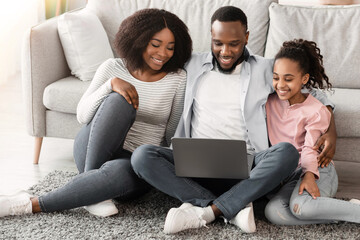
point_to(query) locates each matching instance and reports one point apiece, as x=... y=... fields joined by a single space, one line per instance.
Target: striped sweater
x=160 y=103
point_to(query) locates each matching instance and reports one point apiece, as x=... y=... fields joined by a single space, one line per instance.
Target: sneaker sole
x=169 y=221
x=356 y=201
x=249 y=226
x=102 y=214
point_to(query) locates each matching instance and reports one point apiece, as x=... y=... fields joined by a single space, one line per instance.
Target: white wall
x=16 y=16
x=74 y=4
x=317 y=2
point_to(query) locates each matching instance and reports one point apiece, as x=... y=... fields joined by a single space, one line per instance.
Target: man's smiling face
x=228 y=40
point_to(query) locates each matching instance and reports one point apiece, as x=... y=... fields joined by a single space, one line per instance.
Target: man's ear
x=247 y=37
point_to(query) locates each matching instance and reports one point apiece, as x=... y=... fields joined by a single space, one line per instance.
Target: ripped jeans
x=287 y=207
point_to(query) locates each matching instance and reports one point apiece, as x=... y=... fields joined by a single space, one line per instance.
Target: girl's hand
x=308 y=183
x=127 y=90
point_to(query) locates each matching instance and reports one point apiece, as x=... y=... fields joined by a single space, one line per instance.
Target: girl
x=306 y=197
x=133 y=100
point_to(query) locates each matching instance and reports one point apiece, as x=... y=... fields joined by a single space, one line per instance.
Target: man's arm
x=327 y=143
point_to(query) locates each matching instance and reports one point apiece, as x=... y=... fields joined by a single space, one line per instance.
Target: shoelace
x=225 y=220
x=195 y=223
x=20 y=207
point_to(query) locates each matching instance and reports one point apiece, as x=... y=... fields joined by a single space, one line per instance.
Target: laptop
x=211 y=158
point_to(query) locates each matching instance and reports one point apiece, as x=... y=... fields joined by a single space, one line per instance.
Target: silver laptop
x=211 y=158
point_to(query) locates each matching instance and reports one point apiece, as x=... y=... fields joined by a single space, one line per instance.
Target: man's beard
x=229 y=70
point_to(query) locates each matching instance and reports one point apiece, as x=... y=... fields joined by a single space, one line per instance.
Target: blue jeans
x=103 y=164
x=156 y=166
x=287 y=207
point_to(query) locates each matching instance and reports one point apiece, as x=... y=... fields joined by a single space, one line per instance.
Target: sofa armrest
x=43 y=62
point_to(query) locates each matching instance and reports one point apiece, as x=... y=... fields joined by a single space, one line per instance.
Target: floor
x=16 y=147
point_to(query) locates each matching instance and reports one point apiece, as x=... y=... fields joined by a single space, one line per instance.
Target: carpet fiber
x=144 y=219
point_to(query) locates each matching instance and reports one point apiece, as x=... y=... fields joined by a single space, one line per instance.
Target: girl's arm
x=315 y=126
x=176 y=109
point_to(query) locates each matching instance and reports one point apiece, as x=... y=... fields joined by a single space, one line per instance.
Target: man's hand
x=126 y=90
x=327 y=144
x=308 y=183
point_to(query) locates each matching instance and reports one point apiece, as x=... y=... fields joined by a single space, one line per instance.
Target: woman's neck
x=148 y=75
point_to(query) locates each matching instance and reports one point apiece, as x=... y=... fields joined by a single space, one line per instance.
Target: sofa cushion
x=334 y=28
x=85 y=43
x=64 y=95
x=112 y=12
x=60 y=124
x=347 y=111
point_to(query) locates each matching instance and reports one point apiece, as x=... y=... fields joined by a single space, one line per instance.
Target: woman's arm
x=127 y=90
x=176 y=109
x=99 y=88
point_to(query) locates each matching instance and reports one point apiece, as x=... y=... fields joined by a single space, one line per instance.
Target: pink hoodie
x=299 y=124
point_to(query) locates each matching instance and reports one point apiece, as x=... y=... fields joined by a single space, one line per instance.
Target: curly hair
x=230 y=14
x=136 y=31
x=307 y=55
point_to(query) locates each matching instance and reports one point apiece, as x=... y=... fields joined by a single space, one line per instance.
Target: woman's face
x=288 y=80
x=159 y=50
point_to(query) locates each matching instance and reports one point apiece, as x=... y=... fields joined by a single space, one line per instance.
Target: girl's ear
x=305 y=78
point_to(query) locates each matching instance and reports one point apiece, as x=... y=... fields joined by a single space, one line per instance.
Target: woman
x=133 y=100
x=298 y=118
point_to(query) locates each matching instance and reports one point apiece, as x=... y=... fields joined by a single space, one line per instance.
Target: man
x=225 y=97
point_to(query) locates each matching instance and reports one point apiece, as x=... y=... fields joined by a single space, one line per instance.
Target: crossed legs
x=104 y=166
x=156 y=166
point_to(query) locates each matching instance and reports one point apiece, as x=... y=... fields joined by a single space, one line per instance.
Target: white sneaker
x=356 y=201
x=245 y=219
x=102 y=209
x=187 y=216
x=16 y=204
x=186 y=205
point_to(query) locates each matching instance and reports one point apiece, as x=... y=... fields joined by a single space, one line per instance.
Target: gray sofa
x=51 y=93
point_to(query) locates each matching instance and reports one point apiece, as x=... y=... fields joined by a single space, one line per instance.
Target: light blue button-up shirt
x=257 y=72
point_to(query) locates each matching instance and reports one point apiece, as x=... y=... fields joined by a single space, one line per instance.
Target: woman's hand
x=127 y=90
x=308 y=183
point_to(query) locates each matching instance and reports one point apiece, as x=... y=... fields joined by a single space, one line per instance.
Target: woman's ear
x=305 y=78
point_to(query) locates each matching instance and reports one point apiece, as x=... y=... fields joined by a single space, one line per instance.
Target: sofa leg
x=37 y=149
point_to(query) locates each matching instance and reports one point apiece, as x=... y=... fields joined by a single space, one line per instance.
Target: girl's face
x=288 y=80
x=159 y=50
